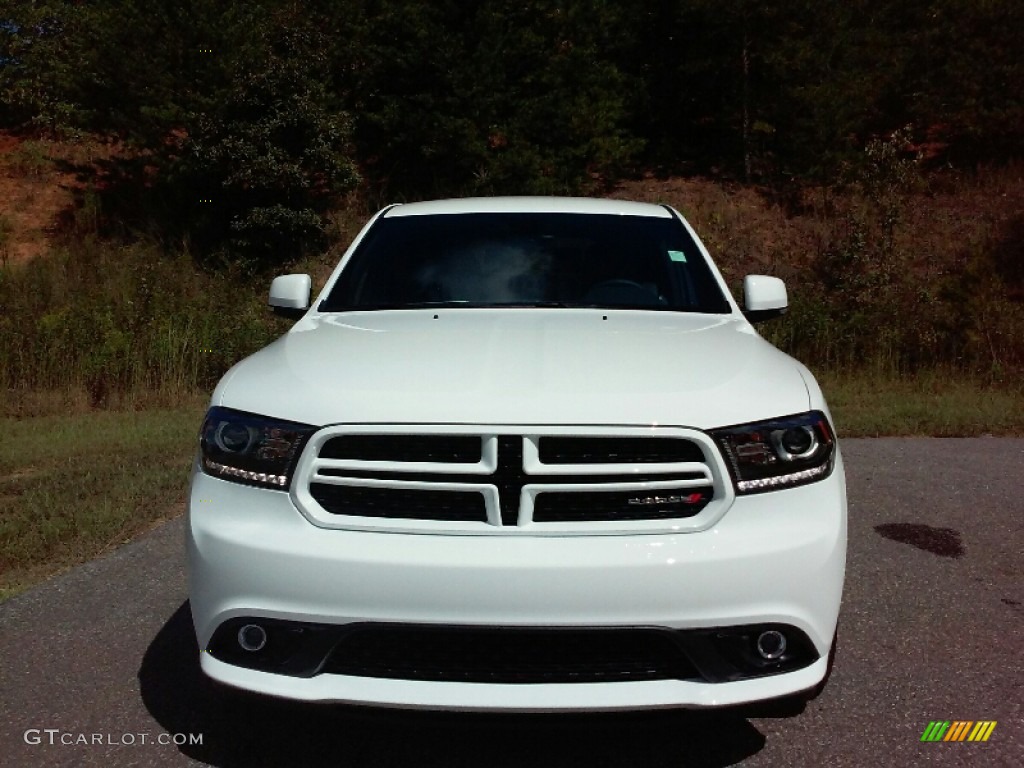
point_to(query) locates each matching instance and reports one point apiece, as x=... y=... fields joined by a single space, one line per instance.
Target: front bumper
x=772 y=558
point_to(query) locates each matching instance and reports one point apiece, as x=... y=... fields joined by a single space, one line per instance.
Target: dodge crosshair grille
x=494 y=479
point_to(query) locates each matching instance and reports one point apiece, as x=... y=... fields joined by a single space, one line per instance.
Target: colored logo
x=958 y=730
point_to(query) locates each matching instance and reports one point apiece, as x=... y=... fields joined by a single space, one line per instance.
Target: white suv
x=522 y=454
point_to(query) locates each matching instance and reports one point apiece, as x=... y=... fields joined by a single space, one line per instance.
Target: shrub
x=116 y=321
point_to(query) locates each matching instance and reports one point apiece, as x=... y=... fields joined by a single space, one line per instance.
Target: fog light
x=771 y=644
x=252 y=637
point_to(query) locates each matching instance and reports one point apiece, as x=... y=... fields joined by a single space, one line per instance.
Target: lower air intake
x=510 y=655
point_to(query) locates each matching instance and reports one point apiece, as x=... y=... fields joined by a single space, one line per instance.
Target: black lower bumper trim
x=511 y=655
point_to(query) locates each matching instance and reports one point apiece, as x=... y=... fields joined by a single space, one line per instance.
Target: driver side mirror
x=764 y=297
x=289 y=295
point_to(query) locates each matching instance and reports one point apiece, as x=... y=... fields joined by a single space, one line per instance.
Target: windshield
x=527 y=259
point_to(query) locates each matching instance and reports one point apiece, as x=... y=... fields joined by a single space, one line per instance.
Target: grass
x=75 y=486
x=116 y=321
x=938 y=403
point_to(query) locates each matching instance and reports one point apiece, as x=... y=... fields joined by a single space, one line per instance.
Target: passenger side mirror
x=764 y=297
x=289 y=295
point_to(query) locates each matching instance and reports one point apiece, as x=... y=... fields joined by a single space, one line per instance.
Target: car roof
x=591 y=205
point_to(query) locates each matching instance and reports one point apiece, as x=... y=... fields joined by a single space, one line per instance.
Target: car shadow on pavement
x=242 y=730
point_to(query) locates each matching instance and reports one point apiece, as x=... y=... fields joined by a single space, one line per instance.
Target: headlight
x=251 y=449
x=780 y=453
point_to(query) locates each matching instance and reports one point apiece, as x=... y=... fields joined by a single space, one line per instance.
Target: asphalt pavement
x=98 y=666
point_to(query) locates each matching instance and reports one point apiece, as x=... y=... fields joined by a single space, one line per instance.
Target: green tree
x=493 y=97
x=40 y=60
x=709 y=91
x=234 y=138
x=835 y=64
x=271 y=155
x=965 y=84
x=767 y=90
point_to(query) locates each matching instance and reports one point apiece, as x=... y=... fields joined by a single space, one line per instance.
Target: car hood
x=518 y=366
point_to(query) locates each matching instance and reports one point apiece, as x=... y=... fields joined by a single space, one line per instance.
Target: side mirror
x=289 y=295
x=764 y=297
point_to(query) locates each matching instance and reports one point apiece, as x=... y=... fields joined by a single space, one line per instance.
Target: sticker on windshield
x=677 y=256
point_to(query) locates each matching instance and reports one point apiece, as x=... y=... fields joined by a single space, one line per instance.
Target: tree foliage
x=40 y=57
x=496 y=96
x=267 y=157
x=236 y=139
x=267 y=109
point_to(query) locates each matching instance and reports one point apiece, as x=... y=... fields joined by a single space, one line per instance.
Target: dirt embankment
x=39 y=180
